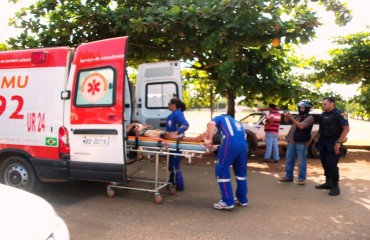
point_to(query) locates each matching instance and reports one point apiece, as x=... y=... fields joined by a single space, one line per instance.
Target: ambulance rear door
x=95 y=110
x=156 y=84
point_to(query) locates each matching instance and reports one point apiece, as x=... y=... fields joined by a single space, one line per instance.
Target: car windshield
x=253 y=118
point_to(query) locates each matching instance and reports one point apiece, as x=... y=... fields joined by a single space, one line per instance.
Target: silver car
x=254 y=124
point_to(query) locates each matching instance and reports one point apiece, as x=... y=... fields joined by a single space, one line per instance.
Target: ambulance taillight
x=38 y=57
x=64 y=151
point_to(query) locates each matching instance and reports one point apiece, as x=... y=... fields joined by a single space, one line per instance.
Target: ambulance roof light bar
x=38 y=57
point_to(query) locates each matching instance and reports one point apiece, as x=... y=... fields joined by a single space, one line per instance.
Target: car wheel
x=251 y=146
x=17 y=172
x=313 y=150
x=249 y=150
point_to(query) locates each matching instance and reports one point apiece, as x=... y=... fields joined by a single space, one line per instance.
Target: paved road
x=276 y=210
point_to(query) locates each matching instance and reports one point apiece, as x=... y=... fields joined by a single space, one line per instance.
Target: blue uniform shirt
x=176 y=122
x=229 y=127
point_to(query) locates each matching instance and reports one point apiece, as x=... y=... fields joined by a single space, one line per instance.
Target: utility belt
x=329 y=138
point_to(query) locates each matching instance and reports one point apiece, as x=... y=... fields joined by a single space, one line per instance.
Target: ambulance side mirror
x=65 y=95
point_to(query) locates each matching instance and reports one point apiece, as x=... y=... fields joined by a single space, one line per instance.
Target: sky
x=360 y=22
x=318 y=47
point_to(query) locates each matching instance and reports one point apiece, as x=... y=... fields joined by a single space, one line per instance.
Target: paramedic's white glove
x=214 y=148
x=208 y=143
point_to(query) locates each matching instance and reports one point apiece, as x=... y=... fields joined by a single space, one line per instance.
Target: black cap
x=273 y=106
x=330 y=99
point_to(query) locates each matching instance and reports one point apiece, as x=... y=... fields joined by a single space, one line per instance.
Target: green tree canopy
x=240 y=44
x=3 y=47
x=349 y=64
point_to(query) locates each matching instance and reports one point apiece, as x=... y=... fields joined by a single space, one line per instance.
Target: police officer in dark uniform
x=333 y=132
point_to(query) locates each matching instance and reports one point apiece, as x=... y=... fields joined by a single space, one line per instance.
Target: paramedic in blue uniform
x=232 y=151
x=176 y=122
x=333 y=130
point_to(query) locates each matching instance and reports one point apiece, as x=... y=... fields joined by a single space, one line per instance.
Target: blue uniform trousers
x=174 y=168
x=233 y=153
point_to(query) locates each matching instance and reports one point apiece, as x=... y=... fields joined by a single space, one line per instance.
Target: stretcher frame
x=157 y=147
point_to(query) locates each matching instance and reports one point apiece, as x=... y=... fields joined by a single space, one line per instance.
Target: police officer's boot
x=334 y=191
x=327 y=185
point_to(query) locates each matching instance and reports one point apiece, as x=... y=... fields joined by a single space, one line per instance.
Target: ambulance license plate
x=95 y=141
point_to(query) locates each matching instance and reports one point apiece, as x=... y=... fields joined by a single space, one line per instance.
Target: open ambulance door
x=156 y=84
x=94 y=113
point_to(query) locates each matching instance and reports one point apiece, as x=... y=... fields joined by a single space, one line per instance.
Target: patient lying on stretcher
x=138 y=129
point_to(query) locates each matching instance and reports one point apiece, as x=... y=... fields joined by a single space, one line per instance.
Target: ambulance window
x=159 y=94
x=95 y=87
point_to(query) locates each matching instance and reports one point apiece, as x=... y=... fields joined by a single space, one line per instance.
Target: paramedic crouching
x=233 y=151
x=176 y=122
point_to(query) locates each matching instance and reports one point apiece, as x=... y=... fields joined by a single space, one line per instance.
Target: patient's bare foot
x=202 y=136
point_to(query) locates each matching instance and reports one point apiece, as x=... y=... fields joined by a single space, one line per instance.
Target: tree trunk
x=212 y=104
x=230 y=102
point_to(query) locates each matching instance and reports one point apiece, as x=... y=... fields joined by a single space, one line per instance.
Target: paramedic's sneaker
x=236 y=200
x=222 y=206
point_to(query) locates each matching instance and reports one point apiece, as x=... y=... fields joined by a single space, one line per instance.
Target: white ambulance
x=63 y=112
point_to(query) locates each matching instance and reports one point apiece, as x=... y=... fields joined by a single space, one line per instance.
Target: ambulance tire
x=17 y=172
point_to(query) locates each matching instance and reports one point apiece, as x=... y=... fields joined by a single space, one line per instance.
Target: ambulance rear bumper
x=49 y=170
x=64 y=170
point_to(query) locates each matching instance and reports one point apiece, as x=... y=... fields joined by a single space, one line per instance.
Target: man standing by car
x=272 y=125
x=333 y=131
x=298 y=138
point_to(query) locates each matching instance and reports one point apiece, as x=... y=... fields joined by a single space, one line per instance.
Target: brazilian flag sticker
x=50 y=141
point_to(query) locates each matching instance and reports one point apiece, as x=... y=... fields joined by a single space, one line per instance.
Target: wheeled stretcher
x=157 y=147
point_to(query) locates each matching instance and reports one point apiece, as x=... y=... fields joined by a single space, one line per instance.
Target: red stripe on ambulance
x=42 y=152
x=55 y=57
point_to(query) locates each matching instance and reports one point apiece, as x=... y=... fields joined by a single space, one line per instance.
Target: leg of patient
x=174 y=136
x=153 y=133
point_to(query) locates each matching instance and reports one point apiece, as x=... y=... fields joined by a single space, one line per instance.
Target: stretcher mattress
x=166 y=144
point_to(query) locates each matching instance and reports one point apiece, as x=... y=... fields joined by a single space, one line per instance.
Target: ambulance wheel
x=111 y=192
x=17 y=172
x=158 y=198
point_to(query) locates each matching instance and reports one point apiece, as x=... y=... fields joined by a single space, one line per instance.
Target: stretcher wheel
x=172 y=190
x=111 y=192
x=158 y=198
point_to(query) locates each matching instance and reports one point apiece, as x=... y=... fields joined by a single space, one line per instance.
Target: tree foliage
x=231 y=40
x=349 y=64
x=3 y=47
x=199 y=89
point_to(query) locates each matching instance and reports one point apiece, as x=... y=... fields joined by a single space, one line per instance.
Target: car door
x=283 y=131
x=254 y=122
x=94 y=114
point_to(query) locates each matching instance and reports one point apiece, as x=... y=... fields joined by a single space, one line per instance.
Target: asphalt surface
x=276 y=210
